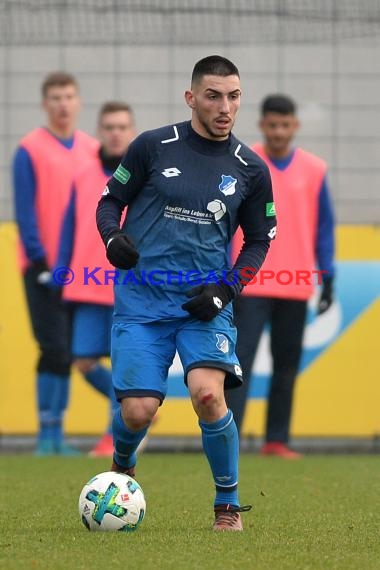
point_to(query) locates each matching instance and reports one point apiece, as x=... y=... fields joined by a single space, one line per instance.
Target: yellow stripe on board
x=338 y=394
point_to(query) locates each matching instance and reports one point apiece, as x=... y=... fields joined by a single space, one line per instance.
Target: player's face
x=214 y=101
x=62 y=104
x=116 y=131
x=279 y=131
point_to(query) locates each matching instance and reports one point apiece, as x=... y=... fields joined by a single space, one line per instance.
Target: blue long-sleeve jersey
x=186 y=195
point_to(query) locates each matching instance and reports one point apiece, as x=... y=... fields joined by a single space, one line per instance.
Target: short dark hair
x=213 y=65
x=281 y=104
x=58 y=79
x=114 y=107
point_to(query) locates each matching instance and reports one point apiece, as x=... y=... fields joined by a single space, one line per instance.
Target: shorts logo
x=270 y=209
x=227 y=185
x=238 y=370
x=122 y=174
x=222 y=343
x=106 y=191
x=272 y=233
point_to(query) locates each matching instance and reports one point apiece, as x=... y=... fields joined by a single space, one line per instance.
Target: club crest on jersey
x=227 y=185
x=222 y=343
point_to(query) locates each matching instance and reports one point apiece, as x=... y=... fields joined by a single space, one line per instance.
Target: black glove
x=41 y=271
x=326 y=298
x=121 y=252
x=208 y=300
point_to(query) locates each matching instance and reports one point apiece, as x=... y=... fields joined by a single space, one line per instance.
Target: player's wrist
x=229 y=291
x=111 y=236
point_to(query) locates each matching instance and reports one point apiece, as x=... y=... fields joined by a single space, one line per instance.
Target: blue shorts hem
x=139 y=393
x=232 y=380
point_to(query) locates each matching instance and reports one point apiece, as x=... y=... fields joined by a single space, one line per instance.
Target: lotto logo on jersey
x=270 y=209
x=169 y=172
x=227 y=185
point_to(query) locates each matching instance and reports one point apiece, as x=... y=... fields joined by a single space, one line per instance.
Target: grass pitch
x=322 y=512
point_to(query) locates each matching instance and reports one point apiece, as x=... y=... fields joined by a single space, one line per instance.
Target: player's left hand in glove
x=121 y=252
x=326 y=299
x=208 y=300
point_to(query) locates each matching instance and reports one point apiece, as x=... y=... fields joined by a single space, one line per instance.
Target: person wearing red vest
x=279 y=293
x=44 y=166
x=89 y=285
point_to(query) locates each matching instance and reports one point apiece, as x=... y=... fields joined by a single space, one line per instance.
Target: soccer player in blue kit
x=187 y=187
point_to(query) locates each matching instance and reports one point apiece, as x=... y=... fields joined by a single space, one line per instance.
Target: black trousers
x=287 y=323
x=51 y=323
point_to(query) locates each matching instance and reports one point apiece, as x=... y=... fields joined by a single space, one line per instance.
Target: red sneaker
x=104 y=447
x=279 y=449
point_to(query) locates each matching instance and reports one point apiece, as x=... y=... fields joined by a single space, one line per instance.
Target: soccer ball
x=112 y=501
x=218 y=208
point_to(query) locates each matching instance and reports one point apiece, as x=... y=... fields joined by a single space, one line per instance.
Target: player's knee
x=207 y=402
x=55 y=362
x=85 y=365
x=137 y=413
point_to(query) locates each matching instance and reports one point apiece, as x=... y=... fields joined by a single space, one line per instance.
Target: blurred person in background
x=44 y=166
x=81 y=250
x=305 y=240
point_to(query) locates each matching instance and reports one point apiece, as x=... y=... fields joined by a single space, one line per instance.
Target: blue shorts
x=142 y=353
x=92 y=330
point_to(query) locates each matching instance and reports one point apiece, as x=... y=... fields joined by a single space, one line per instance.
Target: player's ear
x=189 y=98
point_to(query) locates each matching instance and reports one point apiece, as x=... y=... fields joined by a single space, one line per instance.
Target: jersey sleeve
x=132 y=172
x=325 y=246
x=257 y=213
x=257 y=218
x=24 y=183
x=66 y=242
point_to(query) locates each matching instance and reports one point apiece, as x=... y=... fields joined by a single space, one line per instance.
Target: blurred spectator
x=305 y=239
x=43 y=170
x=81 y=249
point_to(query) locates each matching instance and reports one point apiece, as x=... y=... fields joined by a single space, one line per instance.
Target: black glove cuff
x=230 y=291
x=328 y=282
x=40 y=265
x=112 y=234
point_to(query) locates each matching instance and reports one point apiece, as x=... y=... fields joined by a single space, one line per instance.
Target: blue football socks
x=100 y=378
x=45 y=390
x=58 y=405
x=221 y=445
x=125 y=441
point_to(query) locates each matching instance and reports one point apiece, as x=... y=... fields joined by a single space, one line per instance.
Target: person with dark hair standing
x=92 y=299
x=187 y=187
x=305 y=239
x=43 y=170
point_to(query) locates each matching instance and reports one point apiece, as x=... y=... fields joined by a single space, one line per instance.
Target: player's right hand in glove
x=121 y=252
